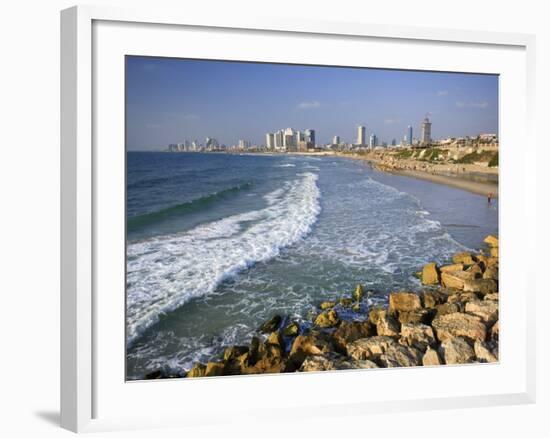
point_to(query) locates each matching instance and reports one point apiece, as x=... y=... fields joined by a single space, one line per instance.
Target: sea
x=218 y=243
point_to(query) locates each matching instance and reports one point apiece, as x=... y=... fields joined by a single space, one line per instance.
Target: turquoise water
x=218 y=243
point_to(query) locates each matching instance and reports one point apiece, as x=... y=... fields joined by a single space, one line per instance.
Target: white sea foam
x=164 y=273
x=285 y=165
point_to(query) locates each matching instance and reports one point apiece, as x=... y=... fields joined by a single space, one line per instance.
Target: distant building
x=280 y=139
x=409 y=136
x=361 y=132
x=393 y=142
x=310 y=136
x=289 y=139
x=373 y=141
x=270 y=140
x=426 y=132
x=336 y=139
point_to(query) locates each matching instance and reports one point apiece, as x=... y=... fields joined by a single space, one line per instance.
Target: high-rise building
x=310 y=136
x=373 y=141
x=426 y=132
x=409 y=135
x=279 y=139
x=270 y=140
x=289 y=139
x=361 y=132
x=336 y=139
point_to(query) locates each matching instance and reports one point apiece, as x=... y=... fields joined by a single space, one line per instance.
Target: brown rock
x=430 y=274
x=404 y=302
x=323 y=363
x=369 y=348
x=424 y=316
x=456 y=279
x=315 y=343
x=494 y=331
x=445 y=309
x=234 y=352
x=476 y=270
x=197 y=370
x=417 y=335
x=346 y=302
x=214 y=369
x=491 y=240
x=462 y=297
x=325 y=305
x=275 y=338
x=459 y=324
x=486 y=310
x=481 y=285
x=464 y=258
x=328 y=318
x=483 y=353
x=431 y=298
x=431 y=358
x=387 y=326
x=358 y=293
x=292 y=329
x=271 y=325
x=348 y=332
x=452 y=268
x=457 y=351
x=491 y=297
x=492 y=262
x=494 y=251
x=491 y=273
x=398 y=355
x=376 y=313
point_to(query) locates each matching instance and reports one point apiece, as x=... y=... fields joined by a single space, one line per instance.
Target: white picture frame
x=90 y=401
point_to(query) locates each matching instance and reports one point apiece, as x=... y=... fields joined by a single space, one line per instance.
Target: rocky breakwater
x=452 y=320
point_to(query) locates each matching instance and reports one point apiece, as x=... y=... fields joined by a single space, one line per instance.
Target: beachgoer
x=489 y=197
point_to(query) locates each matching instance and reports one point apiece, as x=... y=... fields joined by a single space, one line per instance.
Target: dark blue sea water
x=217 y=243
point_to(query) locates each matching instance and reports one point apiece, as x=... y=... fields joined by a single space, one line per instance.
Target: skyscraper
x=409 y=135
x=361 y=135
x=426 y=132
x=336 y=139
x=373 y=141
x=310 y=136
x=270 y=140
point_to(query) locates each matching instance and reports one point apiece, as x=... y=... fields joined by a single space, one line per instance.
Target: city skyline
x=169 y=100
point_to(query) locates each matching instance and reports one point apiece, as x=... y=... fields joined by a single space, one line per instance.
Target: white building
x=426 y=132
x=361 y=135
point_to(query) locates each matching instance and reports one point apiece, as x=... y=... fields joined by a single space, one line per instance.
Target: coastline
x=459 y=180
x=453 y=320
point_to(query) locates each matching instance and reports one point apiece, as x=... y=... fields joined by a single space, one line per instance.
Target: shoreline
x=454 y=319
x=464 y=183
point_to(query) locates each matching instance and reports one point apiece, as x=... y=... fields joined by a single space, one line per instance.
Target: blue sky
x=170 y=100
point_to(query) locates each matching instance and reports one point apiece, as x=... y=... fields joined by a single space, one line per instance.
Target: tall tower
x=409 y=135
x=361 y=135
x=426 y=132
x=310 y=136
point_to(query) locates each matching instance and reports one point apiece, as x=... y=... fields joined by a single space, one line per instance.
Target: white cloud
x=309 y=104
x=472 y=104
x=442 y=93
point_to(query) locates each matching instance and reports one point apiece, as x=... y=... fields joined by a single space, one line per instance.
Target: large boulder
x=423 y=316
x=387 y=326
x=313 y=344
x=370 y=348
x=484 y=353
x=271 y=325
x=494 y=331
x=481 y=285
x=456 y=279
x=430 y=274
x=452 y=268
x=457 y=351
x=465 y=258
x=323 y=363
x=446 y=308
x=214 y=369
x=487 y=310
x=404 y=302
x=431 y=298
x=491 y=240
x=325 y=305
x=493 y=251
x=275 y=338
x=417 y=335
x=376 y=313
x=197 y=370
x=398 y=355
x=459 y=324
x=431 y=358
x=491 y=273
x=348 y=332
x=234 y=352
x=326 y=319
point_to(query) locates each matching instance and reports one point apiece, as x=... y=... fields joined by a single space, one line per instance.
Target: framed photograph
x=314 y=211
